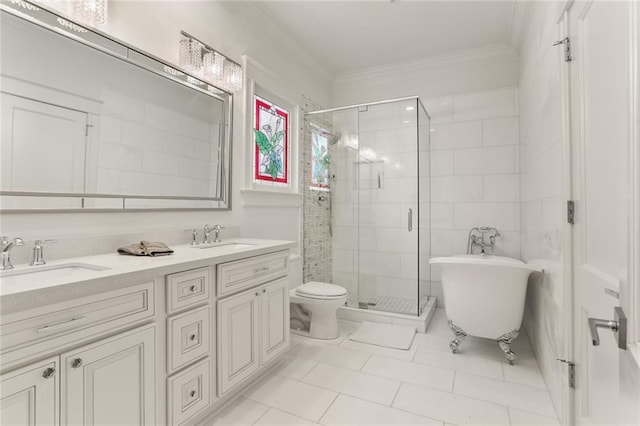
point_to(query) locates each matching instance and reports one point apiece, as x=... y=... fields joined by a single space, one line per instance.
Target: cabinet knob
x=192 y=393
x=48 y=373
x=257 y=294
x=192 y=337
x=264 y=290
x=76 y=363
x=192 y=289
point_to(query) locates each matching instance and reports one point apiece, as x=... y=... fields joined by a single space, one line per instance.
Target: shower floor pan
x=389 y=310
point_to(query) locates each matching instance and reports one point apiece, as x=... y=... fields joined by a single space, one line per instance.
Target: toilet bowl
x=320 y=300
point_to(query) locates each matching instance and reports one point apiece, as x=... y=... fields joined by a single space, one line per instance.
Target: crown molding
x=436 y=64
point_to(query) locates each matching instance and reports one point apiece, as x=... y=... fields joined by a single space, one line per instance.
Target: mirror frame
x=46 y=18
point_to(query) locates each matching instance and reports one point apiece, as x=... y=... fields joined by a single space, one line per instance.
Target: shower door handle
x=410 y=220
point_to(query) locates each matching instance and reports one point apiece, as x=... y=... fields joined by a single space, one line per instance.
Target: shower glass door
x=387 y=210
x=379 y=203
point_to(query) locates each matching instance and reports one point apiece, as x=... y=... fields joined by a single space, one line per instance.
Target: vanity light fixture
x=209 y=64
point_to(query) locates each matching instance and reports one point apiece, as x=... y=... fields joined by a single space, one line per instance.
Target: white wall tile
x=440 y=109
x=442 y=162
x=468 y=162
x=456 y=189
x=502 y=188
x=501 y=131
x=456 y=135
x=503 y=159
x=504 y=216
x=482 y=105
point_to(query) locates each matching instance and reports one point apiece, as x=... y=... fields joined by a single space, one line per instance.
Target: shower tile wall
x=386 y=173
x=316 y=215
x=475 y=172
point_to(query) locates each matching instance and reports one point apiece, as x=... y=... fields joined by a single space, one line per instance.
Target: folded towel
x=132 y=250
x=156 y=248
x=146 y=248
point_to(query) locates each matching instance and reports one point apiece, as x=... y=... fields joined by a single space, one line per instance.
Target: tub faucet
x=7 y=245
x=478 y=238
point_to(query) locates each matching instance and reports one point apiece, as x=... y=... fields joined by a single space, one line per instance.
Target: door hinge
x=567 y=48
x=571 y=377
x=571 y=211
x=86 y=129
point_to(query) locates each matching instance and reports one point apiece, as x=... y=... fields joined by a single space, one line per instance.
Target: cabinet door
x=275 y=319
x=238 y=338
x=29 y=396
x=111 y=382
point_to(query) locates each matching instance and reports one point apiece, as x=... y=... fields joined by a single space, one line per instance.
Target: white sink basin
x=228 y=246
x=49 y=272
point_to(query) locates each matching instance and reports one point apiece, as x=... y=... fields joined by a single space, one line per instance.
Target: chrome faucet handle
x=194 y=236
x=216 y=235
x=38 y=255
x=7 y=245
x=207 y=232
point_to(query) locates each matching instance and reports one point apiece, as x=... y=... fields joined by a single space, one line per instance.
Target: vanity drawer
x=188 y=337
x=244 y=273
x=189 y=392
x=48 y=328
x=188 y=288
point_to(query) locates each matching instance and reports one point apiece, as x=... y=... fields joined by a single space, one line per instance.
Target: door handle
x=618 y=325
x=410 y=220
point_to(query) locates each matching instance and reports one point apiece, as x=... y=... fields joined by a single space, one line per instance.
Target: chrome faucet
x=216 y=235
x=207 y=232
x=194 y=236
x=478 y=238
x=6 y=251
x=38 y=255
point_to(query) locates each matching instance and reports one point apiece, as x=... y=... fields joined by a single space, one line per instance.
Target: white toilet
x=320 y=300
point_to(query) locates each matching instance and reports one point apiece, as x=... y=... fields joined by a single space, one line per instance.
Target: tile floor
x=341 y=382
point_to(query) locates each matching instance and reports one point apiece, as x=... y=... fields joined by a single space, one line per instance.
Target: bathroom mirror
x=90 y=123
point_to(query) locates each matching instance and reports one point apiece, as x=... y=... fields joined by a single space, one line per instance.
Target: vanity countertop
x=120 y=269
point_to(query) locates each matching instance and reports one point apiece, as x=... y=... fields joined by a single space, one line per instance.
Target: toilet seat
x=321 y=291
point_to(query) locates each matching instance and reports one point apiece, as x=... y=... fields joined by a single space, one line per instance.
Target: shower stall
x=377 y=195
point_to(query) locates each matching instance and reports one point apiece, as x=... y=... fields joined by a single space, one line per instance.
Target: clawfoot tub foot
x=460 y=335
x=504 y=342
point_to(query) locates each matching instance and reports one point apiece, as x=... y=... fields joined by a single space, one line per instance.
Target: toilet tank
x=295 y=271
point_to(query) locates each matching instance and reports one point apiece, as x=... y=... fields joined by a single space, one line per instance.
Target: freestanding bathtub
x=484 y=297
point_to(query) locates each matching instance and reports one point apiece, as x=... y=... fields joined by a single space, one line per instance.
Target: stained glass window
x=271 y=143
x=319 y=159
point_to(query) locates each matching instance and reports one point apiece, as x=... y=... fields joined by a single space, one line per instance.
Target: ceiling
x=353 y=35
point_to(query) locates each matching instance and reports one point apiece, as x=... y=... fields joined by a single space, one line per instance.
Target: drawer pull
x=48 y=328
x=76 y=363
x=192 y=393
x=48 y=373
x=192 y=289
x=263 y=269
x=192 y=337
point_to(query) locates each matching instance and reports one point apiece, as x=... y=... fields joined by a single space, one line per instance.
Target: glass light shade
x=90 y=12
x=213 y=66
x=191 y=55
x=232 y=76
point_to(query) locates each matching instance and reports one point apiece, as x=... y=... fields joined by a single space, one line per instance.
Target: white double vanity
x=149 y=341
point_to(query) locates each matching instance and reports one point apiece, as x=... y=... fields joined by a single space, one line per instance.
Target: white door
x=238 y=338
x=29 y=396
x=111 y=382
x=274 y=308
x=43 y=146
x=602 y=119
